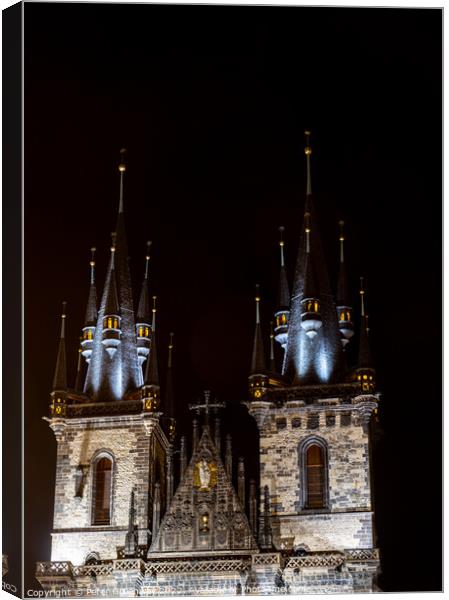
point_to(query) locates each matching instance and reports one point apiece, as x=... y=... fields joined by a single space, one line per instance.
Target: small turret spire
x=272 y=358
x=282 y=312
x=258 y=379
x=60 y=377
x=344 y=305
x=143 y=315
x=169 y=392
x=258 y=358
x=311 y=320
x=79 y=373
x=365 y=372
x=151 y=387
x=90 y=320
x=112 y=305
x=112 y=319
x=122 y=169
x=151 y=372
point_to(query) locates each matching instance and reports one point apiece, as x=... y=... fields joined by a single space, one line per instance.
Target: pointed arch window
x=102 y=491
x=314 y=474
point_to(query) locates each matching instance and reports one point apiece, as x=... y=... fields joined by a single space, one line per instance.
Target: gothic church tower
x=111 y=447
x=314 y=417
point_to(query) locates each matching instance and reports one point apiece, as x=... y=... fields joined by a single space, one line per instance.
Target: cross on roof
x=206 y=405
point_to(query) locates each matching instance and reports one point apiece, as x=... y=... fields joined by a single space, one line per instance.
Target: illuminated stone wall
x=135 y=447
x=348 y=522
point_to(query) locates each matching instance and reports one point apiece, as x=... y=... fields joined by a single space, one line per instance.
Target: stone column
x=217 y=435
x=241 y=481
x=156 y=510
x=183 y=456
x=228 y=456
x=253 y=506
x=170 y=480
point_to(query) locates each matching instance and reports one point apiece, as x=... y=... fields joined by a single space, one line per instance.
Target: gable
x=205 y=513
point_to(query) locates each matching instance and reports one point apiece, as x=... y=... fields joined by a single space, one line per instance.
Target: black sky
x=211 y=103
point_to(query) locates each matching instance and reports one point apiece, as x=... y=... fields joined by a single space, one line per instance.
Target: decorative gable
x=205 y=513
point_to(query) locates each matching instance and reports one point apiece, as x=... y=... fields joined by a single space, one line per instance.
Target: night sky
x=211 y=103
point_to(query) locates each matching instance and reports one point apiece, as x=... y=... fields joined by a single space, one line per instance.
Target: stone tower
x=314 y=419
x=110 y=443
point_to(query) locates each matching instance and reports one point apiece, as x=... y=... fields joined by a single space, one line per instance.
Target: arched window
x=314 y=474
x=102 y=486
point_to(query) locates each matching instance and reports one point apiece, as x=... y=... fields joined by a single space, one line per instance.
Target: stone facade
x=347 y=520
x=137 y=447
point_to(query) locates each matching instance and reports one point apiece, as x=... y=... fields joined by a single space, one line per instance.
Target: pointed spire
x=272 y=358
x=365 y=359
x=79 y=373
x=122 y=169
x=151 y=371
x=343 y=297
x=113 y=374
x=310 y=288
x=112 y=304
x=60 y=377
x=169 y=392
x=143 y=311
x=90 y=320
x=283 y=299
x=258 y=358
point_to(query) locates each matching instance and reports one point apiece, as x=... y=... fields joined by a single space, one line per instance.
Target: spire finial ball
x=122 y=166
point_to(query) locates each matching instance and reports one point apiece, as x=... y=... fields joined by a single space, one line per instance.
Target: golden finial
x=153 y=324
x=307 y=222
x=92 y=260
x=122 y=165
x=113 y=236
x=147 y=257
x=257 y=293
x=281 y=244
x=342 y=234
x=170 y=344
x=362 y=299
x=271 y=330
x=308 y=148
x=281 y=231
x=63 y=317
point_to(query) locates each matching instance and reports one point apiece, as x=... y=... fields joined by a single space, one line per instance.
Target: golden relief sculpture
x=205 y=475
